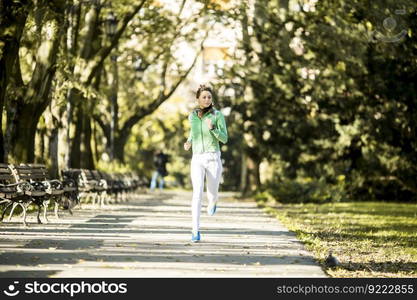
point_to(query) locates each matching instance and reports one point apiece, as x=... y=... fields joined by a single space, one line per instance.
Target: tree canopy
x=322 y=94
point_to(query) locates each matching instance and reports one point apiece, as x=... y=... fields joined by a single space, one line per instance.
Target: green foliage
x=329 y=96
x=320 y=91
x=113 y=167
x=305 y=190
x=164 y=130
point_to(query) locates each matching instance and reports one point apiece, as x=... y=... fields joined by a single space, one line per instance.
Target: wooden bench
x=12 y=193
x=42 y=189
x=64 y=193
x=136 y=181
x=71 y=196
x=102 y=187
x=118 y=186
x=108 y=184
x=128 y=184
x=88 y=187
x=121 y=187
x=25 y=184
x=72 y=176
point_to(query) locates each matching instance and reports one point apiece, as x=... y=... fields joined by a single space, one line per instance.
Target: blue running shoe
x=195 y=238
x=211 y=210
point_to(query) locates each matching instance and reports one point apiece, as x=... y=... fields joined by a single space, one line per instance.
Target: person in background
x=160 y=160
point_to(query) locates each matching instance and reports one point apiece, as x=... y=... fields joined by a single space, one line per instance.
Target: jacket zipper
x=201 y=129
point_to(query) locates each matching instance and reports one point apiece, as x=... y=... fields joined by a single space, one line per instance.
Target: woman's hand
x=209 y=124
x=187 y=146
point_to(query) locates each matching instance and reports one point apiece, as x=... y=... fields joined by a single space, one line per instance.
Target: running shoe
x=195 y=237
x=211 y=209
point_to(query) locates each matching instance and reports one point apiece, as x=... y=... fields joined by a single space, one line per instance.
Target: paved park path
x=149 y=236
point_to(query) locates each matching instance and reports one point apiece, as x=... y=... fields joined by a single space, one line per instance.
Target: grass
x=370 y=239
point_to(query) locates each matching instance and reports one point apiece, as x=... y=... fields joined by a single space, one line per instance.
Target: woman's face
x=205 y=99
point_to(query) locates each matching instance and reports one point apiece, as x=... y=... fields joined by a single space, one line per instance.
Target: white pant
x=207 y=165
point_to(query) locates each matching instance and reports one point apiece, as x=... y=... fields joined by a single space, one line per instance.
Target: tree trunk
x=243 y=174
x=254 y=178
x=251 y=180
x=27 y=103
x=2 y=150
x=53 y=153
x=75 y=153
x=114 y=111
x=87 y=160
x=22 y=133
x=71 y=47
x=81 y=153
x=67 y=118
x=12 y=21
x=41 y=147
x=95 y=139
x=119 y=146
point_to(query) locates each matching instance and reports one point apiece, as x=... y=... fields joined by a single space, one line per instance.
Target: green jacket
x=203 y=139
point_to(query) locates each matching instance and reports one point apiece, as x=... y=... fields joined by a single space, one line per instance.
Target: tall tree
x=160 y=32
x=322 y=88
x=13 y=15
x=26 y=102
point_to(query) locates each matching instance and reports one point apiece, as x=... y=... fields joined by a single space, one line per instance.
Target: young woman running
x=208 y=127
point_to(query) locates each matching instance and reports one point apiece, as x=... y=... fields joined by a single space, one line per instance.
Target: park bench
x=111 y=186
x=105 y=185
x=25 y=184
x=70 y=197
x=122 y=186
x=63 y=192
x=132 y=182
x=73 y=177
x=138 y=182
x=115 y=186
x=42 y=189
x=87 y=185
x=12 y=193
x=102 y=187
x=125 y=186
